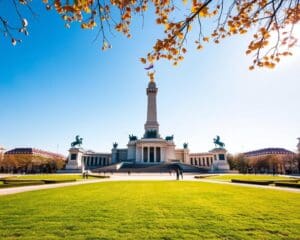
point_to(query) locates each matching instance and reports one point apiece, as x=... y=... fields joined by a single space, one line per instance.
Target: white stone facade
x=81 y=160
x=215 y=160
x=220 y=162
x=204 y=160
x=154 y=150
x=150 y=149
x=75 y=159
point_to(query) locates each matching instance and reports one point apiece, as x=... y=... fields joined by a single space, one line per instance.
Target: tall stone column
x=151 y=123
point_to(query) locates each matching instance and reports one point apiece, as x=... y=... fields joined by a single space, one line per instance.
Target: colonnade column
x=142 y=149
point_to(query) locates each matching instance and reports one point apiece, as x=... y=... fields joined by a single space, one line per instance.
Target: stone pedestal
x=186 y=154
x=131 y=153
x=114 y=156
x=182 y=155
x=220 y=163
x=75 y=159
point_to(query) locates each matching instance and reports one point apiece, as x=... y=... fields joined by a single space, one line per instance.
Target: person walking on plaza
x=177 y=174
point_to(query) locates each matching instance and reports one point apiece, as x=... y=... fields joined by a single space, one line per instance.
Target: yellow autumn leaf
x=199 y=47
x=206 y=39
x=84 y=26
x=204 y=12
x=143 y=60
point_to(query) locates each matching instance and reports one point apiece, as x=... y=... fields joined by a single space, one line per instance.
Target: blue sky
x=58 y=83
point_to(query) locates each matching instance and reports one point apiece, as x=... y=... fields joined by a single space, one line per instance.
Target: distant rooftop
x=33 y=151
x=268 y=151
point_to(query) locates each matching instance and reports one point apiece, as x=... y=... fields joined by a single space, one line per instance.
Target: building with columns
x=150 y=149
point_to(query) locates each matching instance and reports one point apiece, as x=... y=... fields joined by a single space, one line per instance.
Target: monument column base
x=220 y=163
x=75 y=159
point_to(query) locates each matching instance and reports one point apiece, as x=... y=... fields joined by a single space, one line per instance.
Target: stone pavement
x=137 y=177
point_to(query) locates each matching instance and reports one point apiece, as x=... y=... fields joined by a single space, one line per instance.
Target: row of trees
x=265 y=164
x=26 y=163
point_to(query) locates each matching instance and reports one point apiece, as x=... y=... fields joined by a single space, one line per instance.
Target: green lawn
x=151 y=210
x=50 y=176
x=228 y=177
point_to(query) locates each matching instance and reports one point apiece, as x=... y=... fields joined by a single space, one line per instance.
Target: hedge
x=59 y=181
x=20 y=181
x=9 y=185
x=28 y=182
x=98 y=176
x=287 y=184
x=257 y=182
x=287 y=180
x=205 y=176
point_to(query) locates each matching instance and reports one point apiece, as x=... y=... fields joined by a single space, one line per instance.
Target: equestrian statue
x=77 y=142
x=217 y=142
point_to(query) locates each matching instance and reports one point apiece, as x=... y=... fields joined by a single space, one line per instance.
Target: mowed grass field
x=228 y=177
x=50 y=176
x=151 y=210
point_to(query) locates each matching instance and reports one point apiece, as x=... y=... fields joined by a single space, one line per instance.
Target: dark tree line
x=26 y=163
x=273 y=164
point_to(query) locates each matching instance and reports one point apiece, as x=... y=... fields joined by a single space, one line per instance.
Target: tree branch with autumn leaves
x=270 y=22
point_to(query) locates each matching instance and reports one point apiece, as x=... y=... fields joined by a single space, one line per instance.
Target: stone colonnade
x=95 y=161
x=151 y=154
x=205 y=161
